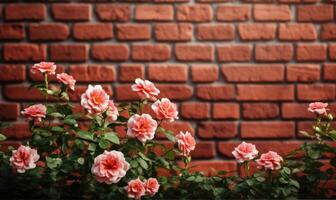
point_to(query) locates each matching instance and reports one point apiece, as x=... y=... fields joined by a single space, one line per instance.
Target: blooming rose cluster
x=136 y=188
x=24 y=158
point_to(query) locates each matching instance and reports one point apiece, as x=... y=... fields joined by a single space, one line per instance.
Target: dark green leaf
x=2 y=137
x=86 y=135
x=112 y=137
x=104 y=144
x=53 y=163
x=57 y=129
x=142 y=163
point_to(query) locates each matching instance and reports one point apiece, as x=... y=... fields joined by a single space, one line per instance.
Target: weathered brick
x=315 y=13
x=69 y=52
x=265 y=92
x=329 y=71
x=113 y=12
x=195 y=110
x=267 y=129
x=204 y=72
x=151 y=52
x=175 y=91
x=194 y=52
x=92 y=31
x=257 y=31
x=221 y=130
x=18 y=130
x=225 y=111
x=269 y=12
x=311 y=52
x=9 y=111
x=303 y=72
x=215 y=92
x=194 y=13
x=33 y=12
x=260 y=110
x=328 y=31
x=236 y=52
x=316 y=92
x=24 y=52
x=173 y=32
x=274 y=52
x=215 y=32
x=71 y=12
x=332 y=51
x=168 y=72
x=297 y=31
x=296 y=111
x=133 y=31
x=154 y=13
x=12 y=73
x=110 y=52
x=93 y=73
x=48 y=32
x=12 y=31
x=233 y=13
x=130 y=72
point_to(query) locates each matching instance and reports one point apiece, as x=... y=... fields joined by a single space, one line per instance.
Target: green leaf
x=191 y=178
x=92 y=147
x=142 y=163
x=81 y=160
x=2 y=137
x=169 y=135
x=104 y=144
x=286 y=170
x=53 y=163
x=143 y=156
x=57 y=129
x=332 y=135
x=261 y=179
x=86 y=135
x=56 y=114
x=112 y=137
x=294 y=183
x=70 y=121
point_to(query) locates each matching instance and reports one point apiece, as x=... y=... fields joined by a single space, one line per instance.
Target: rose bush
x=109 y=151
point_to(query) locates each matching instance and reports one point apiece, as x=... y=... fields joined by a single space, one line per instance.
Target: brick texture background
x=238 y=70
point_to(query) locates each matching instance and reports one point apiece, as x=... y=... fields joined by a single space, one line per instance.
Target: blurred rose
x=66 y=79
x=318 y=108
x=35 y=112
x=135 y=189
x=186 y=142
x=24 y=158
x=245 y=152
x=270 y=160
x=112 y=112
x=152 y=186
x=44 y=67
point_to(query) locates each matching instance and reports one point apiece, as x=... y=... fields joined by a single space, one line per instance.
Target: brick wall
x=238 y=71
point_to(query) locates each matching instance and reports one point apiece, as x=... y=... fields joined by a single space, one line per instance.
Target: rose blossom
x=109 y=167
x=186 y=142
x=145 y=88
x=135 y=189
x=67 y=79
x=24 y=158
x=35 y=112
x=95 y=99
x=164 y=109
x=270 y=160
x=318 y=107
x=152 y=186
x=44 y=67
x=142 y=127
x=245 y=152
x=112 y=112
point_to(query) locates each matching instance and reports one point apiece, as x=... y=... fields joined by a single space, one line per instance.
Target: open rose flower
x=318 y=108
x=164 y=109
x=95 y=99
x=270 y=160
x=109 y=167
x=44 y=67
x=112 y=112
x=245 y=152
x=24 y=158
x=145 y=89
x=135 y=189
x=35 y=112
x=186 y=143
x=141 y=127
x=152 y=186
x=67 y=79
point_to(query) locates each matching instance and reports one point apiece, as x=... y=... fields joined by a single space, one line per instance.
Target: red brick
x=17 y=130
x=204 y=150
x=175 y=91
x=110 y=52
x=80 y=89
x=71 y=12
x=9 y=111
x=303 y=72
x=124 y=93
x=225 y=111
x=235 y=52
x=173 y=32
x=176 y=127
x=221 y=130
x=332 y=51
x=204 y=72
x=154 y=13
x=269 y=12
x=48 y=31
x=24 y=52
x=253 y=72
x=168 y=72
x=329 y=72
x=260 y=110
x=297 y=31
x=299 y=1
x=69 y=52
x=151 y=52
x=21 y=92
x=194 y=13
x=92 y=31
x=257 y=31
x=265 y=92
x=113 y=12
x=40 y=78
x=233 y=13
x=267 y=129
x=194 y=52
x=215 y=92
x=328 y=31
x=316 y=92
x=171 y=1
x=215 y=32
x=281 y=147
x=273 y=52
x=315 y=13
x=296 y=111
x=133 y=31
x=33 y=12
x=12 y=73
x=210 y=168
x=11 y=31
x=195 y=110
x=311 y=52
x=93 y=73
x=130 y=72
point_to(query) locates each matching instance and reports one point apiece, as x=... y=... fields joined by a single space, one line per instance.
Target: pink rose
x=318 y=108
x=136 y=189
x=44 y=67
x=112 y=112
x=95 y=99
x=35 y=112
x=66 y=79
x=186 y=142
x=152 y=186
x=164 y=109
x=245 y=152
x=145 y=88
x=141 y=127
x=270 y=160
x=109 y=167
x=24 y=158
